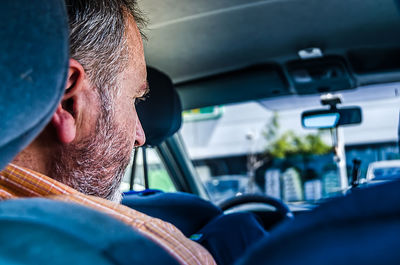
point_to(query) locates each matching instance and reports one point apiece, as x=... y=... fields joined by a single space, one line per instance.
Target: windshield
x=389 y=173
x=261 y=147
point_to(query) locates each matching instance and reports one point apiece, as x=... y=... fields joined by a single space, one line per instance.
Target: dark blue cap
x=33 y=69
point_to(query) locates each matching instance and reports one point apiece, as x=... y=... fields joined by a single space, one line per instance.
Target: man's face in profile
x=96 y=164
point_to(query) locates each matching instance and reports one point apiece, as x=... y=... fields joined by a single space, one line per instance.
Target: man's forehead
x=136 y=71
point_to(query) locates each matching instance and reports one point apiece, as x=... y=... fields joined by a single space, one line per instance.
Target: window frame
x=174 y=157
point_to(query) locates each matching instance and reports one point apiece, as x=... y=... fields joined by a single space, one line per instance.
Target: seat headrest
x=161 y=113
x=33 y=69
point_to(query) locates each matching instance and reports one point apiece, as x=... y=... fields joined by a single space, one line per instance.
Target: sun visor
x=252 y=83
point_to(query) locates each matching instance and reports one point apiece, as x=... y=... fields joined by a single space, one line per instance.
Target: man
x=88 y=143
x=82 y=154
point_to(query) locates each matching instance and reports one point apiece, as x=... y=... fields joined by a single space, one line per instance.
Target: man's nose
x=140 y=138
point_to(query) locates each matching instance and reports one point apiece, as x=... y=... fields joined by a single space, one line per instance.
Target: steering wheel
x=281 y=208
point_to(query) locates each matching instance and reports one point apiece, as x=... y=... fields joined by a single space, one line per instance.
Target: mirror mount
x=332 y=117
x=331 y=100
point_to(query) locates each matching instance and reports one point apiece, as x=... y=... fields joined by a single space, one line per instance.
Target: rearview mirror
x=326 y=119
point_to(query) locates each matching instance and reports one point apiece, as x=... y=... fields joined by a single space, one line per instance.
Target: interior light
x=310 y=53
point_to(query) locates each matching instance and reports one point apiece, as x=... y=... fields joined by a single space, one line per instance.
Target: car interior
x=201 y=54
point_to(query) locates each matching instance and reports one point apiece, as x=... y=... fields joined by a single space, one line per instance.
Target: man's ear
x=64 y=119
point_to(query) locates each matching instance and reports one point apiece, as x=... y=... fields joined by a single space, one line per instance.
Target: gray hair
x=98 y=39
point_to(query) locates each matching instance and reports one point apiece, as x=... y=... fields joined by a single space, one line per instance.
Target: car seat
x=161 y=117
x=33 y=71
x=40 y=231
x=33 y=65
x=361 y=228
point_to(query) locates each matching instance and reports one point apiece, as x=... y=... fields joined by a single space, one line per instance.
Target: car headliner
x=189 y=40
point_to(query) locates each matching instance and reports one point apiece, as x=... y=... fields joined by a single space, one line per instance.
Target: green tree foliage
x=291 y=144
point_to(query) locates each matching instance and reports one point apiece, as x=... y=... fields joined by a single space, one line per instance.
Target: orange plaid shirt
x=16 y=182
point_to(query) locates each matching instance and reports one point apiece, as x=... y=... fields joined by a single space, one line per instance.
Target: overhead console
x=322 y=75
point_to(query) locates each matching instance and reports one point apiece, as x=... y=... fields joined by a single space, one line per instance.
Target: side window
x=158 y=176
